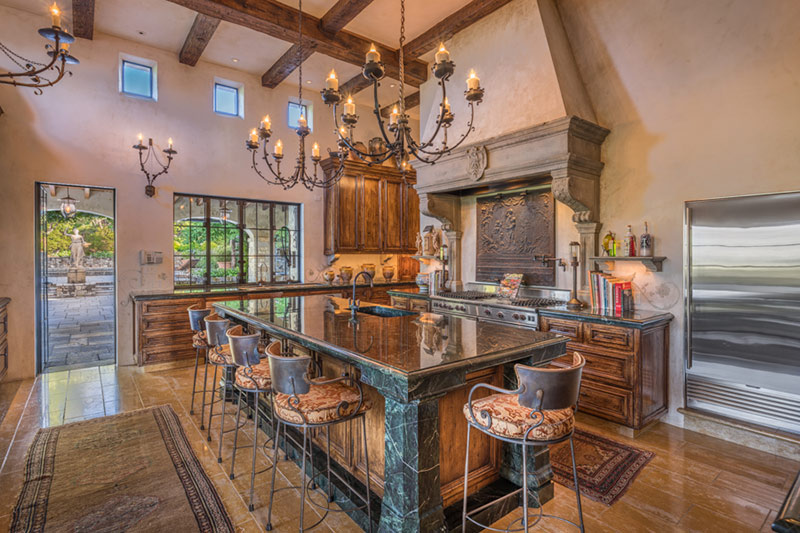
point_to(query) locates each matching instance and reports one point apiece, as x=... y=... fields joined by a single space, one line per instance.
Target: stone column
x=589 y=239
x=454 y=264
x=412 y=499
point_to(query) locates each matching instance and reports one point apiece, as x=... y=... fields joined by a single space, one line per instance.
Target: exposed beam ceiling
x=438 y=33
x=200 y=34
x=280 y=21
x=412 y=101
x=83 y=18
x=332 y=22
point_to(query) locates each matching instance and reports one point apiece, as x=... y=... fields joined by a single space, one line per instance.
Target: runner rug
x=606 y=468
x=134 y=471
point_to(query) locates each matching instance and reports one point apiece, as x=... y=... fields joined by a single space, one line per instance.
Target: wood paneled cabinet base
x=625 y=377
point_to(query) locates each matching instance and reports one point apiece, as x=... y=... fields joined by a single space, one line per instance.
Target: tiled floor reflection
x=695 y=482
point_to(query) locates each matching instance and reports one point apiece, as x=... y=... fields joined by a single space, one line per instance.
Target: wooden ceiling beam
x=450 y=25
x=199 y=36
x=438 y=33
x=280 y=21
x=83 y=18
x=412 y=101
x=331 y=22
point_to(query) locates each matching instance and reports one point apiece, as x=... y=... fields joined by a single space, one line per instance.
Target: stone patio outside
x=81 y=330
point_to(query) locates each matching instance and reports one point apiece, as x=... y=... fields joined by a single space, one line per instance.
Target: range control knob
x=462 y=308
x=487 y=311
x=516 y=316
x=500 y=315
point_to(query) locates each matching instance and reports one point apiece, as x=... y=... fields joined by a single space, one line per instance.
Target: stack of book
x=609 y=293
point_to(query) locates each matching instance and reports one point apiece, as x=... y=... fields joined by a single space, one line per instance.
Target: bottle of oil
x=646 y=243
x=629 y=243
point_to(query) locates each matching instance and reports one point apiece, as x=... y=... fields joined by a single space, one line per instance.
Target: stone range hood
x=565 y=150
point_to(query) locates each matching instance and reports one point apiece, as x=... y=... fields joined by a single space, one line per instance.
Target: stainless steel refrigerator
x=742 y=291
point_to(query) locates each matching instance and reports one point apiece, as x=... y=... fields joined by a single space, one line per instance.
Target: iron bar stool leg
x=366 y=465
x=466 y=483
x=255 y=447
x=205 y=386
x=274 y=468
x=303 y=479
x=524 y=487
x=575 y=476
x=328 y=439
x=211 y=407
x=311 y=452
x=194 y=383
x=236 y=433
x=221 y=425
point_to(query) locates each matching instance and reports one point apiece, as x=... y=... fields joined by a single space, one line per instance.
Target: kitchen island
x=417 y=370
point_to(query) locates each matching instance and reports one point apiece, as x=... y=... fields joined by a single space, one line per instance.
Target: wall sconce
x=150 y=189
x=574 y=252
x=68 y=207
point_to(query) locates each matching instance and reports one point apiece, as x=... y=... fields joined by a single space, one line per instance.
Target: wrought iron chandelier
x=400 y=143
x=33 y=72
x=161 y=168
x=259 y=137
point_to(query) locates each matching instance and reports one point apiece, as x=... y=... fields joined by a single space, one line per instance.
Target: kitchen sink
x=386 y=312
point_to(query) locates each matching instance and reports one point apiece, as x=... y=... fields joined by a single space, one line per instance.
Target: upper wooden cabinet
x=370 y=210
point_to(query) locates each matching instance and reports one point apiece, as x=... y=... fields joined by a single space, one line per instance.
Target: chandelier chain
x=300 y=71
x=13 y=56
x=401 y=87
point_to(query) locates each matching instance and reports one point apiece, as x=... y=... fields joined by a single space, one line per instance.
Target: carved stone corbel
x=446 y=208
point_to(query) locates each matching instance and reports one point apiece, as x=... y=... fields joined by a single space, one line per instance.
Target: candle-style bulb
x=442 y=54
x=169 y=142
x=373 y=54
x=140 y=138
x=55 y=14
x=332 y=75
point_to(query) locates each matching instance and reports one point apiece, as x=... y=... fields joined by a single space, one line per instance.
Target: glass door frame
x=40 y=268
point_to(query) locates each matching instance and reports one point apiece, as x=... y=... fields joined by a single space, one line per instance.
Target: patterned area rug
x=606 y=468
x=134 y=471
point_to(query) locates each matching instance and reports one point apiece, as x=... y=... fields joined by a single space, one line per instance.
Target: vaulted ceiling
x=259 y=36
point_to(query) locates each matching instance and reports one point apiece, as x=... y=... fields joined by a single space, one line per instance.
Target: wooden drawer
x=568 y=328
x=608 y=336
x=419 y=306
x=167 y=339
x=164 y=354
x=611 y=368
x=606 y=401
x=400 y=302
x=173 y=322
x=168 y=306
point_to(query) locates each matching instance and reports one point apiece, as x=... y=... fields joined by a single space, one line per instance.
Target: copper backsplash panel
x=512 y=228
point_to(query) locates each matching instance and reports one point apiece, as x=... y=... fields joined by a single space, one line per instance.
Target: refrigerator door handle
x=687 y=283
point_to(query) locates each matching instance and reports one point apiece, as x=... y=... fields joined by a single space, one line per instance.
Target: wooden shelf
x=652 y=264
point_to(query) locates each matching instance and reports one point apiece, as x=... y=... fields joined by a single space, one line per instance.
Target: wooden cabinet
x=3 y=337
x=625 y=376
x=371 y=209
x=409 y=303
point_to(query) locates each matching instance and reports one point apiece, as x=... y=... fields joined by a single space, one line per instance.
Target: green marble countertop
x=638 y=318
x=412 y=345
x=137 y=296
x=409 y=293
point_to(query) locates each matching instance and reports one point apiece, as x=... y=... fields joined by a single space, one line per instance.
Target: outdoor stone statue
x=76 y=249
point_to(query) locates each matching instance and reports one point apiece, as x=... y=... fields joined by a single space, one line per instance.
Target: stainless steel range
x=482 y=302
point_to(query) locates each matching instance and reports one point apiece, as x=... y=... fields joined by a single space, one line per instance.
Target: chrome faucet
x=354 y=304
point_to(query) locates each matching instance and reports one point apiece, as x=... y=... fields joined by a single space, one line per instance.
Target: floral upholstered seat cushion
x=510 y=419
x=199 y=339
x=256 y=377
x=223 y=358
x=321 y=404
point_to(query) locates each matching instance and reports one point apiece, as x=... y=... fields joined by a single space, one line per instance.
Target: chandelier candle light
x=32 y=72
x=259 y=138
x=400 y=144
x=150 y=189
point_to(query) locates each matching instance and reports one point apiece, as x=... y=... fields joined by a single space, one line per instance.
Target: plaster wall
x=81 y=132
x=701 y=99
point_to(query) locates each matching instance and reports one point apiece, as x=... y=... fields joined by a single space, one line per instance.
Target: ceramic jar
x=369 y=268
x=346 y=273
x=329 y=275
x=388 y=272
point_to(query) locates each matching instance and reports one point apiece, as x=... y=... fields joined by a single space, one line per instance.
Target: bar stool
x=302 y=402
x=197 y=314
x=252 y=378
x=539 y=413
x=219 y=356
